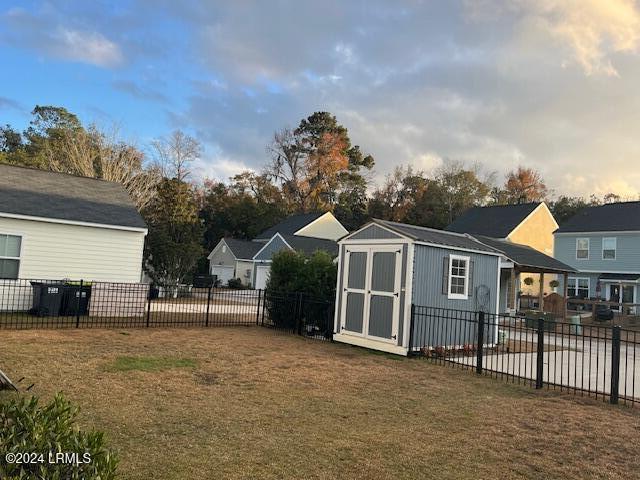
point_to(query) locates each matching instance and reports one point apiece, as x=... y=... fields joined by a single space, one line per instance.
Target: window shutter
x=470 y=289
x=445 y=275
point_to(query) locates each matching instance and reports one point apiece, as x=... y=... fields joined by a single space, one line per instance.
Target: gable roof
x=433 y=236
x=612 y=217
x=243 y=249
x=497 y=221
x=289 y=225
x=67 y=198
x=525 y=256
x=310 y=245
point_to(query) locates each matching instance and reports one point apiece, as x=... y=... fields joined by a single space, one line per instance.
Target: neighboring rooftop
x=40 y=193
x=497 y=221
x=525 y=256
x=612 y=217
x=439 y=237
x=289 y=225
x=310 y=245
x=243 y=249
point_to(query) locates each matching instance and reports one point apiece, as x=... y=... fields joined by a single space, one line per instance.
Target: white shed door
x=371 y=292
x=223 y=273
x=262 y=275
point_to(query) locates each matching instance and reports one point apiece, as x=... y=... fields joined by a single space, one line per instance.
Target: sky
x=549 y=84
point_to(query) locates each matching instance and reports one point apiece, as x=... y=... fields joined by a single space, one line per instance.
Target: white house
x=250 y=260
x=56 y=226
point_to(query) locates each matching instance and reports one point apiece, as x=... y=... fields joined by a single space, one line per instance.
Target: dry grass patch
x=255 y=404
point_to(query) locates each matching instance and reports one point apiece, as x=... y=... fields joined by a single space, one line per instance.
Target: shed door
x=371 y=304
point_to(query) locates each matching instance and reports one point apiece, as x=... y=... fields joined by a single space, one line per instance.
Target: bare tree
x=287 y=166
x=99 y=154
x=174 y=154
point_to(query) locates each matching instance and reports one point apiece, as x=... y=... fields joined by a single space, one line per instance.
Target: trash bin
x=576 y=325
x=75 y=299
x=47 y=299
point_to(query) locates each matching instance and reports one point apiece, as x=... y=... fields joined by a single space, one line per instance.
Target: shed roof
x=525 y=256
x=495 y=221
x=243 y=249
x=289 y=225
x=51 y=195
x=438 y=237
x=612 y=217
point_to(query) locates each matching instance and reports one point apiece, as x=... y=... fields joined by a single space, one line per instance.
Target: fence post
x=411 y=320
x=206 y=321
x=148 y=306
x=258 y=309
x=78 y=305
x=299 y=300
x=615 y=364
x=540 y=356
x=479 y=351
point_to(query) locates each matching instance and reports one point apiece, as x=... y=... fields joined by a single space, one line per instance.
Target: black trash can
x=75 y=299
x=47 y=298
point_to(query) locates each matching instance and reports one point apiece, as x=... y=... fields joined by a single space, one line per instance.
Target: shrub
x=235 y=283
x=554 y=283
x=293 y=273
x=528 y=281
x=27 y=427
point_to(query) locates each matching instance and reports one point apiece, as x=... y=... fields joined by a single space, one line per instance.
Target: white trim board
x=72 y=222
x=606 y=232
x=368 y=343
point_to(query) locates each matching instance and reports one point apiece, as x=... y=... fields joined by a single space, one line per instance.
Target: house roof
x=289 y=225
x=51 y=195
x=612 y=217
x=310 y=245
x=525 y=256
x=439 y=237
x=496 y=221
x=243 y=249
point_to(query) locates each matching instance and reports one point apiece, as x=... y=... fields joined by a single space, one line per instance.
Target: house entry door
x=371 y=305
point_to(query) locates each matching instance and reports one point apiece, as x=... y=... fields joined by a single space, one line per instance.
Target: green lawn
x=244 y=402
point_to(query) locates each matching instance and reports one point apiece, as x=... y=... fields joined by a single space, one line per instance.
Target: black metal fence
x=598 y=361
x=79 y=304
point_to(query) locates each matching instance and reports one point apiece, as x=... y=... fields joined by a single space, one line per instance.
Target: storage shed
x=385 y=266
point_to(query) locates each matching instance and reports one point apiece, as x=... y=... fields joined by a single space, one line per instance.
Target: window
x=609 y=247
x=582 y=249
x=578 y=287
x=10 y=256
x=458 y=277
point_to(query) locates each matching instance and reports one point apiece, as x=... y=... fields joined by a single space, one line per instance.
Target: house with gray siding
x=385 y=267
x=602 y=244
x=250 y=260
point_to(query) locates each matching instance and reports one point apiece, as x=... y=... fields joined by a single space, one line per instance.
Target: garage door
x=223 y=273
x=262 y=275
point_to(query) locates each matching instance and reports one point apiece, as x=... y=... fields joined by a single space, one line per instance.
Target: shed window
x=578 y=287
x=582 y=248
x=458 y=277
x=609 y=247
x=10 y=247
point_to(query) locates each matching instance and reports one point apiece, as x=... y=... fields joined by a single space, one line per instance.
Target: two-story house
x=530 y=224
x=250 y=260
x=603 y=244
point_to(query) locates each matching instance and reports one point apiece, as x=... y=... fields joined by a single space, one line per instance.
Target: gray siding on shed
x=275 y=245
x=222 y=258
x=428 y=273
x=374 y=232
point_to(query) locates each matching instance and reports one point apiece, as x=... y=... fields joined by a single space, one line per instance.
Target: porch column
x=565 y=288
x=541 y=293
x=514 y=288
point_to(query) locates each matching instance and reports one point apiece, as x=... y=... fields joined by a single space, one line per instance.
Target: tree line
x=311 y=168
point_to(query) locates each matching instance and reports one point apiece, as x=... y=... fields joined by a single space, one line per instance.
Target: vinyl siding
x=241 y=269
x=57 y=251
x=627 y=252
x=275 y=245
x=219 y=257
x=327 y=227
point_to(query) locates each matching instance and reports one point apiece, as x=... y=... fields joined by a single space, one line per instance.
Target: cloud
x=46 y=33
x=135 y=90
x=10 y=104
